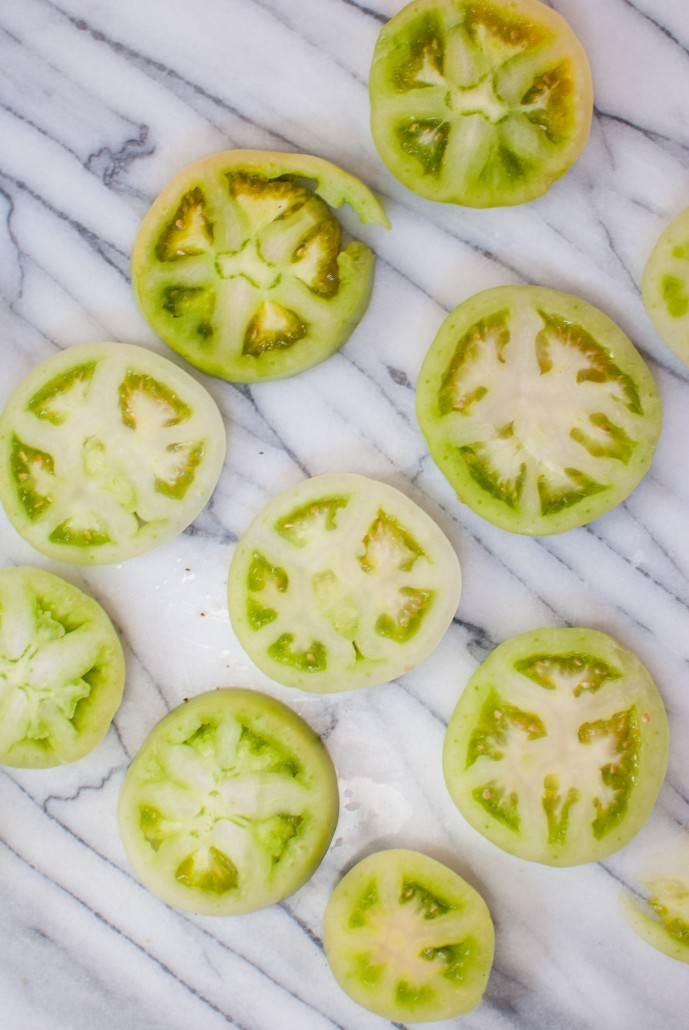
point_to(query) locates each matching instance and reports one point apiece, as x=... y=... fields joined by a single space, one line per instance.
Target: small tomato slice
x=662 y=919
x=538 y=409
x=341 y=582
x=479 y=102
x=665 y=286
x=240 y=264
x=107 y=450
x=408 y=938
x=558 y=746
x=230 y=804
x=61 y=670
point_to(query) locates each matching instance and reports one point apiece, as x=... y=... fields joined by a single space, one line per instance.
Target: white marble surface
x=100 y=103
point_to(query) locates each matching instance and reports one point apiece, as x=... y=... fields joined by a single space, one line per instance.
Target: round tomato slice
x=408 y=938
x=558 y=746
x=341 y=582
x=107 y=450
x=538 y=409
x=240 y=264
x=665 y=286
x=479 y=102
x=662 y=918
x=230 y=804
x=61 y=670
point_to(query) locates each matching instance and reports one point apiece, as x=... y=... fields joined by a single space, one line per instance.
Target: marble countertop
x=100 y=104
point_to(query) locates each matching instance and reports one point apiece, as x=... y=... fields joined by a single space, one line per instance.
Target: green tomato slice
x=408 y=938
x=107 y=450
x=240 y=265
x=61 y=670
x=558 y=746
x=665 y=286
x=662 y=918
x=341 y=582
x=479 y=102
x=537 y=408
x=230 y=804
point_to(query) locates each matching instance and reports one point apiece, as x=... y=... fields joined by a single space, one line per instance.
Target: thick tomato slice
x=61 y=670
x=240 y=265
x=229 y=805
x=479 y=102
x=661 y=915
x=107 y=450
x=558 y=746
x=539 y=410
x=341 y=582
x=408 y=938
x=665 y=286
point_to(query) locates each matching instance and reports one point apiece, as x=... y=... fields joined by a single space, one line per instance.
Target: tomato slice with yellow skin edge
x=665 y=285
x=241 y=267
x=229 y=805
x=662 y=917
x=341 y=582
x=62 y=670
x=537 y=408
x=107 y=450
x=479 y=102
x=558 y=746
x=408 y=938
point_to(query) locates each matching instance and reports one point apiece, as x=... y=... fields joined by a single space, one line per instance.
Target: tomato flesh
x=558 y=746
x=341 y=582
x=665 y=285
x=479 y=103
x=229 y=805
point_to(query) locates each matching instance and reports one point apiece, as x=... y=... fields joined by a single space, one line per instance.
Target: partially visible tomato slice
x=107 y=450
x=229 y=805
x=241 y=265
x=665 y=285
x=408 y=938
x=61 y=670
x=558 y=746
x=539 y=410
x=662 y=917
x=479 y=102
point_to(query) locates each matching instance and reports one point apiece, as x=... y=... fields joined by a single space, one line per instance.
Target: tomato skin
x=407 y=938
x=537 y=408
x=558 y=746
x=106 y=451
x=665 y=285
x=341 y=582
x=240 y=267
x=482 y=104
x=229 y=805
x=62 y=670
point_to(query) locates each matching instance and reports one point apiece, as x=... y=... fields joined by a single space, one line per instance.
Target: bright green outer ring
x=181 y=512
x=273 y=717
x=98 y=709
x=651 y=930
x=674 y=330
x=341 y=943
x=258 y=534
x=445 y=188
x=492 y=675
x=336 y=187
x=444 y=451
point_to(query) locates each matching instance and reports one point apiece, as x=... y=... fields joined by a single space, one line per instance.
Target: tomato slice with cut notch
x=665 y=285
x=341 y=582
x=558 y=746
x=107 y=450
x=479 y=102
x=661 y=916
x=537 y=408
x=229 y=805
x=408 y=938
x=241 y=265
x=62 y=670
